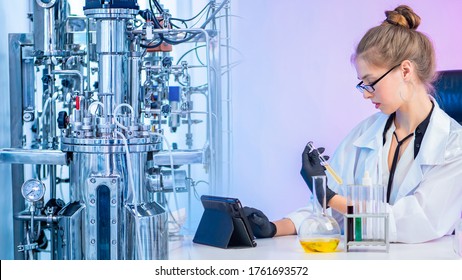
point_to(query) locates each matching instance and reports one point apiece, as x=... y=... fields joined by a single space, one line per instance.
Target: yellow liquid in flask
x=321 y=245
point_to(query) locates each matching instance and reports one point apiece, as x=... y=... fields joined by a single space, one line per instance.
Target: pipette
x=326 y=164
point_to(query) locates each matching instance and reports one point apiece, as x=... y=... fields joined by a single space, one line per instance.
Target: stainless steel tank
x=99 y=181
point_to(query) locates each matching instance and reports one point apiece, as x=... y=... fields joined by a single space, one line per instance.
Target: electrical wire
x=236 y=16
x=158 y=6
x=149 y=46
x=176 y=26
x=201 y=46
x=200 y=18
x=197 y=56
x=186 y=53
x=192 y=34
x=150 y=6
x=212 y=16
x=194 y=17
x=184 y=40
x=152 y=16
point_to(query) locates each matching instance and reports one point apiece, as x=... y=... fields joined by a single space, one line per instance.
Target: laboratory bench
x=288 y=248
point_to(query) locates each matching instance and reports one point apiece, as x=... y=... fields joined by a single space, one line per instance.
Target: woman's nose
x=367 y=94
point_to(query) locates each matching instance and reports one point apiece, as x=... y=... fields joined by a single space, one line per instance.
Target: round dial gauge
x=33 y=190
x=45 y=3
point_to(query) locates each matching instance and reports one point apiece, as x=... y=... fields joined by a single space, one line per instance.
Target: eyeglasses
x=370 y=88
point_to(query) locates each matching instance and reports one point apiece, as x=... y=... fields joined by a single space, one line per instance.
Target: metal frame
x=17 y=42
x=381 y=242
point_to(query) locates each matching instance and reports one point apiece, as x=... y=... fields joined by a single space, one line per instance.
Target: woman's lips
x=377 y=105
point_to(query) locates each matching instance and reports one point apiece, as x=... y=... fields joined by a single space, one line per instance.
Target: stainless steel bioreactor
x=101 y=97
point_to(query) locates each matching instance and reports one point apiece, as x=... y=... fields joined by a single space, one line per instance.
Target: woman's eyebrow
x=364 y=77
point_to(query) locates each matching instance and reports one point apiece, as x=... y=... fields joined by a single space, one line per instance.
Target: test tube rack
x=365 y=243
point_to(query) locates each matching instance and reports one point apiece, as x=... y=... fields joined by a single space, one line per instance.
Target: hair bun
x=403 y=16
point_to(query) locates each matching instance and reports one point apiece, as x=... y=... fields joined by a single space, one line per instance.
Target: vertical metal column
x=112 y=52
x=16 y=44
x=134 y=60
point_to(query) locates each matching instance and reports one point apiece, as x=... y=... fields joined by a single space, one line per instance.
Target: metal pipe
x=111 y=47
x=174 y=67
x=32 y=225
x=39 y=218
x=31 y=253
x=53 y=145
x=179 y=157
x=134 y=59
x=33 y=156
x=158 y=111
x=49 y=31
x=88 y=55
x=228 y=96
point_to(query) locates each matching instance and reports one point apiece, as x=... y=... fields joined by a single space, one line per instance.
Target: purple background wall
x=297 y=84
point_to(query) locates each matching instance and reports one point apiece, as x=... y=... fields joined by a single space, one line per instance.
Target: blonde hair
x=396 y=40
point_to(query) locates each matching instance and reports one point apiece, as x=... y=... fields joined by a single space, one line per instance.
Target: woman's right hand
x=311 y=165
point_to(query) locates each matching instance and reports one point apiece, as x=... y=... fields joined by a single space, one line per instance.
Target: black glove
x=261 y=226
x=311 y=166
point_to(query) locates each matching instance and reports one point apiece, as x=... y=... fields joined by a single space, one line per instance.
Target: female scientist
x=412 y=146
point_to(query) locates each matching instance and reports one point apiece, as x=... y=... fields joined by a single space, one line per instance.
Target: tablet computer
x=224 y=224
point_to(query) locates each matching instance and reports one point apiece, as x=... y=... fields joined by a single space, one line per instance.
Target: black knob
x=63 y=120
x=167 y=61
x=165 y=109
x=66 y=83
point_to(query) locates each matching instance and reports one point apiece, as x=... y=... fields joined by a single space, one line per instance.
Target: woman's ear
x=407 y=70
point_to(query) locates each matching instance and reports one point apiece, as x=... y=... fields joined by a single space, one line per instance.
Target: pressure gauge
x=33 y=190
x=45 y=3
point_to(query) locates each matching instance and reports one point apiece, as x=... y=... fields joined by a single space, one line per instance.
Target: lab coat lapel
x=431 y=152
x=435 y=139
x=370 y=143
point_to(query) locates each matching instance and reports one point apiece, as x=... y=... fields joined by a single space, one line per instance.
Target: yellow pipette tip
x=332 y=172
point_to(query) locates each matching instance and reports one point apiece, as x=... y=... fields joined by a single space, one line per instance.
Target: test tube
x=370 y=223
x=350 y=235
x=326 y=165
x=380 y=208
x=358 y=209
x=373 y=203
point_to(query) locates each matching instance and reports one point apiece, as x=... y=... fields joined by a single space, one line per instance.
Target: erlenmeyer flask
x=319 y=232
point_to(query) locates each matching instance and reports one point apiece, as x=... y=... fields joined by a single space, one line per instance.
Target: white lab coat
x=429 y=200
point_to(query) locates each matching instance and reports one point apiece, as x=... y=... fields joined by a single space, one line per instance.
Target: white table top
x=288 y=248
